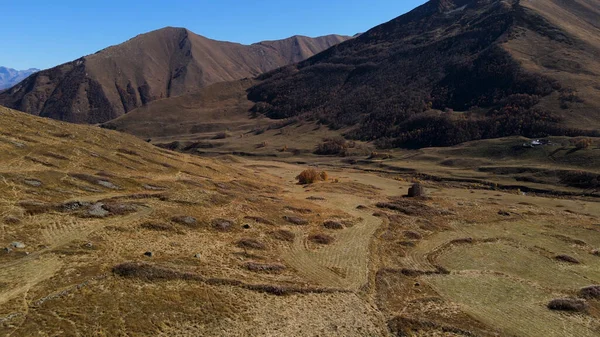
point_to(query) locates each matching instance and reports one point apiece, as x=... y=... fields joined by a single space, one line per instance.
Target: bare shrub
x=259 y=219
x=308 y=176
x=311 y=176
x=147 y=272
x=591 y=292
x=332 y=146
x=322 y=239
x=583 y=143
x=567 y=258
x=250 y=244
x=298 y=210
x=568 y=304
x=221 y=135
x=331 y=224
x=157 y=226
x=412 y=235
x=36 y=207
x=11 y=220
x=284 y=235
x=264 y=267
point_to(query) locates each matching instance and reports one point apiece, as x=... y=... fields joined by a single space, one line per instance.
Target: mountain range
x=160 y=64
x=447 y=72
x=10 y=77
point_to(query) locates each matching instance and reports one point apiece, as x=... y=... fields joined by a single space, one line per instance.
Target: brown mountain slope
x=510 y=67
x=159 y=64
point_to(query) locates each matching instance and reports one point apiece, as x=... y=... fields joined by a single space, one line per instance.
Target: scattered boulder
x=17 y=244
x=73 y=206
x=154 y=188
x=567 y=258
x=295 y=220
x=197 y=256
x=119 y=209
x=416 y=190
x=108 y=184
x=33 y=182
x=503 y=213
x=331 y=224
x=596 y=252
x=222 y=225
x=6 y=250
x=246 y=226
x=568 y=304
x=590 y=292
x=149 y=254
x=185 y=220
x=97 y=210
x=88 y=245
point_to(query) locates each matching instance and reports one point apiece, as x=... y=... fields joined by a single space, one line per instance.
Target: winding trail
x=345 y=262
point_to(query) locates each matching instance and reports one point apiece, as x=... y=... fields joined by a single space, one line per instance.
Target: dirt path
x=345 y=262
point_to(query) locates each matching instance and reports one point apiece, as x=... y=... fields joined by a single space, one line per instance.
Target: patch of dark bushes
x=568 y=304
x=322 y=239
x=251 y=244
x=332 y=147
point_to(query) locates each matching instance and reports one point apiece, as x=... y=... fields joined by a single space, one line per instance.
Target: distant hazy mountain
x=10 y=77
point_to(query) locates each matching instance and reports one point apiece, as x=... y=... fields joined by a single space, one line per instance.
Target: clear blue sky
x=42 y=33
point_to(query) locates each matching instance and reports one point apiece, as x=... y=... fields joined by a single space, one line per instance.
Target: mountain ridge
x=163 y=63
x=512 y=63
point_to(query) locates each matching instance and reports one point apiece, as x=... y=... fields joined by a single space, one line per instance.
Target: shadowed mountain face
x=159 y=64
x=10 y=77
x=510 y=67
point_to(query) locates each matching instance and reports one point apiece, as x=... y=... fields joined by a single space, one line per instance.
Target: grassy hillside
x=449 y=72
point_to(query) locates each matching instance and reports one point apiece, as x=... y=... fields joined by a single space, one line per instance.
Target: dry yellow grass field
x=238 y=248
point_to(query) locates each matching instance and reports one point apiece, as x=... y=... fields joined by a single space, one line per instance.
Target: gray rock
x=197 y=256
x=222 y=225
x=295 y=220
x=108 y=184
x=185 y=220
x=17 y=144
x=417 y=190
x=16 y=244
x=154 y=188
x=89 y=245
x=96 y=210
x=33 y=182
x=73 y=206
x=7 y=250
